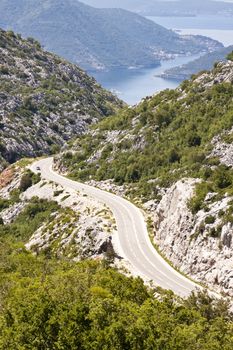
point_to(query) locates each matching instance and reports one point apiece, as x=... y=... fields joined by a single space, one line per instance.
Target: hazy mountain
x=205 y=62
x=168 y=8
x=97 y=38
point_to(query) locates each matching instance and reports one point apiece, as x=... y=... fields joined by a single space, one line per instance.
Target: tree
x=25 y=182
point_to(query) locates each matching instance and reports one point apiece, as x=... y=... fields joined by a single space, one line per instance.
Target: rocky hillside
x=98 y=38
x=174 y=154
x=44 y=100
x=63 y=223
x=63 y=303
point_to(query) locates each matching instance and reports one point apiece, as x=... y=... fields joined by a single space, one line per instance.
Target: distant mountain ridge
x=168 y=8
x=205 y=62
x=98 y=38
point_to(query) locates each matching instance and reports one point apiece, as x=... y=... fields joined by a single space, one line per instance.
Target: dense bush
x=58 y=305
x=4 y=203
x=25 y=182
x=28 y=179
x=230 y=56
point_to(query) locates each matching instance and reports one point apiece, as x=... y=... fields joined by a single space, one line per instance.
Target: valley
x=116 y=219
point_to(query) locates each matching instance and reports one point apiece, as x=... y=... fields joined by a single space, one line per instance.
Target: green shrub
x=230 y=56
x=28 y=179
x=25 y=182
x=210 y=219
x=4 y=203
x=196 y=203
x=222 y=177
x=4 y=70
x=57 y=193
x=36 y=213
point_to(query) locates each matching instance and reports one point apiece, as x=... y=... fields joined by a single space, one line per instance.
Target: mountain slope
x=44 y=100
x=164 y=134
x=173 y=153
x=205 y=62
x=168 y=8
x=97 y=38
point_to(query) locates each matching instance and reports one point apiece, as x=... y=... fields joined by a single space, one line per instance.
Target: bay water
x=131 y=85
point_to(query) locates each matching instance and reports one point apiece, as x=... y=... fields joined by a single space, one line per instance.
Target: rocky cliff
x=200 y=245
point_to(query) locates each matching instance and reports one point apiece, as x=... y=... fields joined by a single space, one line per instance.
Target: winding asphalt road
x=133 y=243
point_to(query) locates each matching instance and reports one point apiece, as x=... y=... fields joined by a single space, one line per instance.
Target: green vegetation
x=165 y=138
x=230 y=56
x=4 y=203
x=28 y=179
x=53 y=304
x=50 y=304
x=29 y=220
x=57 y=193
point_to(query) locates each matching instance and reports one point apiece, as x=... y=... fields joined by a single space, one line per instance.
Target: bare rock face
x=223 y=150
x=188 y=242
x=223 y=73
x=10 y=214
x=173 y=220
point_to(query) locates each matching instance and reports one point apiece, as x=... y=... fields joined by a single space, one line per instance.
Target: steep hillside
x=44 y=100
x=175 y=146
x=205 y=62
x=164 y=137
x=97 y=38
x=65 y=303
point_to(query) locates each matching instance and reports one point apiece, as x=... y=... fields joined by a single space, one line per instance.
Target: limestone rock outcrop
x=187 y=240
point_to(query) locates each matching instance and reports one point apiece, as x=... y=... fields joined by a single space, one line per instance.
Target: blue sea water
x=132 y=85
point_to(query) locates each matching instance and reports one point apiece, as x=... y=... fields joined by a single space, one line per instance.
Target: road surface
x=132 y=238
